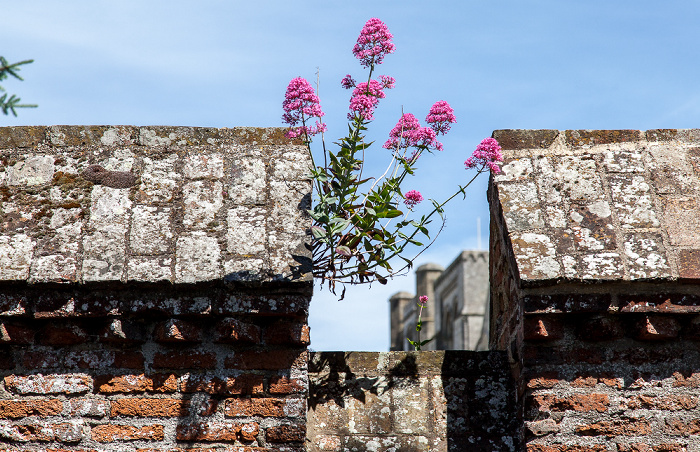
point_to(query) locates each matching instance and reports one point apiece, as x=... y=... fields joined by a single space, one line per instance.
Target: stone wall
x=411 y=401
x=154 y=289
x=594 y=244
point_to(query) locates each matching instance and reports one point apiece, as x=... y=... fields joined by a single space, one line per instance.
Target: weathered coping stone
x=601 y=205
x=85 y=204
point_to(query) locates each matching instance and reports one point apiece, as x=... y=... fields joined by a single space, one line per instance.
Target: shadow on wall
x=411 y=401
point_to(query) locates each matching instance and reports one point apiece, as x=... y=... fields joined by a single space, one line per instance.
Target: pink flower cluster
x=348 y=82
x=412 y=198
x=487 y=153
x=423 y=300
x=365 y=97
x=409 y=133
x=373 y=43
x=301 y=104
x=440 y=116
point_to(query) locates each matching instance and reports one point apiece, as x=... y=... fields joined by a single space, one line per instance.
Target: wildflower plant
x=363 y=224
x=417 y=344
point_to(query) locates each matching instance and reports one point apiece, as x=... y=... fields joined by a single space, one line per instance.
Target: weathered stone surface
x=198 y=257
x=151 y=230
x=521 y=207
x=629 y=200
x=427 y=401
x=179 y=204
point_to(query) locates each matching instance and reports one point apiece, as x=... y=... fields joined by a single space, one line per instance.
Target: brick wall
x=158 y=301
x=594 y=286
x=411 y=401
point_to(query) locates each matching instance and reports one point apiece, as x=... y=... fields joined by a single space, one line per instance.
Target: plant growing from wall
x=9 y=104
x=363 y=224
x=417 y=344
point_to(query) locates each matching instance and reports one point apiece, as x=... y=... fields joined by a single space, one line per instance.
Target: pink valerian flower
x=373 y=43
x=440 y=116
x=423 y=300
x=348 y=82
x=301 y=104
x=365 y=98
x=487 y=153
x=409 y=133
x=387 y=81
x=412 y=198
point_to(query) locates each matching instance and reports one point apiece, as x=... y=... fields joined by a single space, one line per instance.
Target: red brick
x=267 y=360
x=15 y=409
x=266 y=407
x=283 y=332
x=177 y=331
x=545 y=380
x=150 y=407
x=205 y=449
x=641 y=447
x=48 y=384
x=653 y=328
x=16 y=335
x=576 y=402
x=540 y=328
x=693 y=381
x=286 y=385
x=249 y=431
x=67 y=432
x=211 y=431
x=161 y=383
x=584 y=382
x=185 y=360
x=107 y=433
x=207 y=407
x=189 y=449
x=677 y=426
x=62 y=335
x=286 y=434
x=129 y=360
x=617 y=427
x=612 y=382
x=246 y=384
x=237 y=331
x=666 y=403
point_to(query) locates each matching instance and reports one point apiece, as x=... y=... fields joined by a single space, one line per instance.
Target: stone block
x=197 y=258
x=202 y=201
x=151 y=230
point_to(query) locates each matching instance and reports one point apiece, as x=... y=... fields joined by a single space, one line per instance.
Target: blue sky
x=500 y=64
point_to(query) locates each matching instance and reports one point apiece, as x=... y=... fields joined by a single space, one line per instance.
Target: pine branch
x=8 y=105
